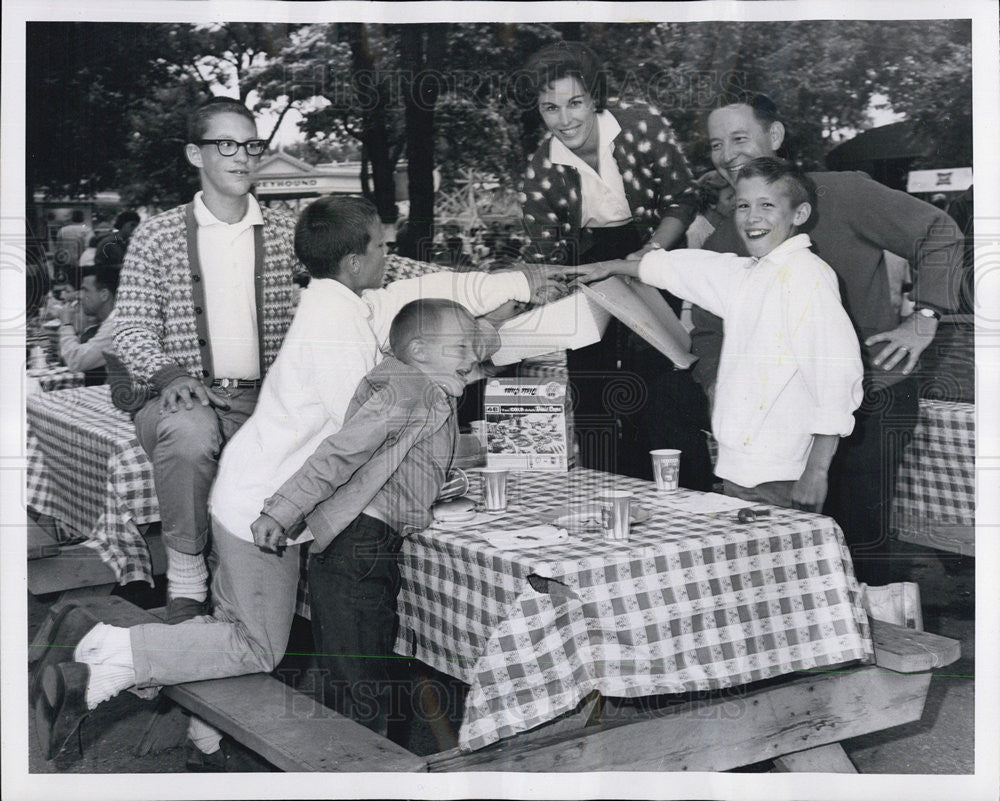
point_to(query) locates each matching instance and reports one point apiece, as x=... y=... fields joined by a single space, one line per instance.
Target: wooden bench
x=798 y=723
x=288 y=728
x=77 y=571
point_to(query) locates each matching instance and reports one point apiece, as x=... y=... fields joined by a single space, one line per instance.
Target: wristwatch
x=926 y=311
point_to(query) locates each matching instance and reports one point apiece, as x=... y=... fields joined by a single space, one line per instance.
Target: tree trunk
x=375 y=131
x=420 y=49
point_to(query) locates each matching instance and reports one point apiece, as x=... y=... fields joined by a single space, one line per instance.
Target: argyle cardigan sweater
x=157 y=335
x=657 y=179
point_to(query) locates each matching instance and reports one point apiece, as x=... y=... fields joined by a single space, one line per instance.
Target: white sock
x=187 y=575
x=105 y=645
x=207 y=739
x=106 y=681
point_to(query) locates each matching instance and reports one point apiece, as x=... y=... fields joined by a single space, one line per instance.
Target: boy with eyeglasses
x=203 y=304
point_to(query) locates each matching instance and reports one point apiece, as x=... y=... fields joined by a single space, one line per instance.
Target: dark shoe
x=181 y=609
x=66 y=630
x=61 y=705
x=196 y=761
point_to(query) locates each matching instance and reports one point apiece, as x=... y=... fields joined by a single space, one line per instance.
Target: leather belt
x=237 y=383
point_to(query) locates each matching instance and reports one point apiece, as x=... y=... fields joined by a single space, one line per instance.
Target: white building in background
x=289 y=182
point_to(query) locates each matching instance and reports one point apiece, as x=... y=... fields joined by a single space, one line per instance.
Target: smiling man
x=855 y=221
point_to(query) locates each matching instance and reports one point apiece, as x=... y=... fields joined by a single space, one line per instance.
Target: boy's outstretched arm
x=599 y=270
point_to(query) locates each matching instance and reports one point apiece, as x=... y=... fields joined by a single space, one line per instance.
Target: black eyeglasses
x=228 y=147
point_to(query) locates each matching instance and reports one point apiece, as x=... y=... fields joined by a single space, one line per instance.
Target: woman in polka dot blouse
x=605 y=183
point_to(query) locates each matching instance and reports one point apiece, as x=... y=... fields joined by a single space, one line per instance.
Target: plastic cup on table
x=494 y=489
x=666 y=468
x=615 y=514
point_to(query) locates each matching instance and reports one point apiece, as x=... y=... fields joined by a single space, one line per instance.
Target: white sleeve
x=478 y=292
x=708 y=279
x=825 y=345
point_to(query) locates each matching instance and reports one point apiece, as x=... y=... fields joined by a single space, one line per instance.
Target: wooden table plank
x=908 y=651
x=825 y=759
x=721 y=734
x=41 y=544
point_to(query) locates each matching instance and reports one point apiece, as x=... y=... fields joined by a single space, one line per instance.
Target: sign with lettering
x=956 y=179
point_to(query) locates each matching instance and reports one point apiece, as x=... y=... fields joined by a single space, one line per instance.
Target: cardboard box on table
x=528 y=424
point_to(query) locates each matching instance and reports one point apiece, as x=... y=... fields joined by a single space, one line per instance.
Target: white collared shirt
x=790 y=365
x=602 y=193
x=226 y=253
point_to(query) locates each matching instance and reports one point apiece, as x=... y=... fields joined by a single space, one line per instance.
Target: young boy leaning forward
x=790 y=369
x=368 y=485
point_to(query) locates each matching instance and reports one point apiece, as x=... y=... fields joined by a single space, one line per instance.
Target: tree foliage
x=107 y=101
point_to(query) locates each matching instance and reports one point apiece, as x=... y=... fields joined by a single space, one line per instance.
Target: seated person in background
x=369 y=485
x=790 y=370
x=84 y=353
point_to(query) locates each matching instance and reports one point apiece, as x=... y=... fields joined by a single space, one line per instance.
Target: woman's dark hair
x=331 y=228
x=572 y=59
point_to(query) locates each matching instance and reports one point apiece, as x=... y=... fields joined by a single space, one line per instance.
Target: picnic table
x=692 y=603
x=53 y=377
x=935 y=499
x=87 y=470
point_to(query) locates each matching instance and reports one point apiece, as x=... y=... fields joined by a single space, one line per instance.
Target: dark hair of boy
x=199 y=118
x=568 y=59
x=331 y=228
x=798 y=186
x=105 y=276
x=420 y=318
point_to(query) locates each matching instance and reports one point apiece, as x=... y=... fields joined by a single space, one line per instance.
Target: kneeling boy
x=367 y=486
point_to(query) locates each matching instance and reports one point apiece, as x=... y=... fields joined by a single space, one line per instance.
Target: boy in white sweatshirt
x=790 y=369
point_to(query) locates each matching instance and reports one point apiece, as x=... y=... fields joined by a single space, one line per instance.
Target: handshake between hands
x=551 y=282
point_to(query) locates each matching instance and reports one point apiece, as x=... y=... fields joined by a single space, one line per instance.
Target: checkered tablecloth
x=87 y=470
x=937 y=478
x=691 y=602
x=56 y=377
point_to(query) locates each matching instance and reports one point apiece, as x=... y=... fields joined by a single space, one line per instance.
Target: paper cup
x=615 y=508
x=666 y=468
x=494 y=489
